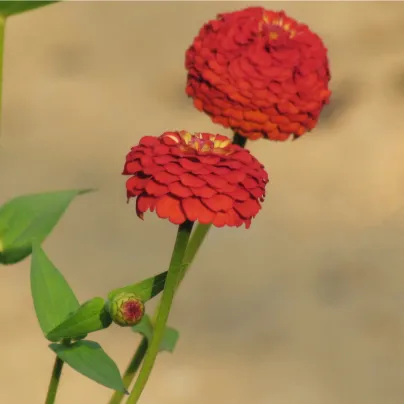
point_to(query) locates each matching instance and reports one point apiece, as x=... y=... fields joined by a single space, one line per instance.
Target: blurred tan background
x=306 y=307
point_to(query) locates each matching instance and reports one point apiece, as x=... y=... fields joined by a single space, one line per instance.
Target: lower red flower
x=197 y=177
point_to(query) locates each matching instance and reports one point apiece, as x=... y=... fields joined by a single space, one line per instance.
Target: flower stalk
x=174 y=275
x=54 y=381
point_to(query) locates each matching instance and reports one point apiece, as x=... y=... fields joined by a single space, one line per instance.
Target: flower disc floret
x=197 y=177
x=259 y=72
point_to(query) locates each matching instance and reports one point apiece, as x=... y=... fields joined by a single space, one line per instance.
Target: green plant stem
x=195 y=242
x=173 y=277
x=54 y=381
x=131 y=370
x=2 y=31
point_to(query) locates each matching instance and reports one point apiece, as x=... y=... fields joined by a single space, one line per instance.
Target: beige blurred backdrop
x=306 y=307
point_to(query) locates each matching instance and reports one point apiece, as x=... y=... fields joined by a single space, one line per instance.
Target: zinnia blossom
x=259 y=72
x=197 y=177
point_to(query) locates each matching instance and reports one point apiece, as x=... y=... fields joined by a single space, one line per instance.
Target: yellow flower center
x=276 y=27
x=203 y=142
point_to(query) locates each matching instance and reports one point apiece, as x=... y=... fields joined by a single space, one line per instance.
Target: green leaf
x=170 y=339
x=53 y=298
x=144 y=290
x=30 y=218
x=145 y=328
x=89 y=359
x=8 y=8
x=89 y=317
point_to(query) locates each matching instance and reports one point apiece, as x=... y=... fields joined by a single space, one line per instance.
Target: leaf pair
x=62 y=318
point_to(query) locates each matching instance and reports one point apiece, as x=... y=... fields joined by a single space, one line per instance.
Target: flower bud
x=126 y=309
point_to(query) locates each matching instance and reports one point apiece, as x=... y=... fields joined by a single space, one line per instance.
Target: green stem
x=196 y=241
x=54 y=381
x=174 y=275
x=2 y=31
x=131 y=371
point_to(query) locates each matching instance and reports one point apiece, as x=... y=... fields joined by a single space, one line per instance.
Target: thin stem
x=240 y=140
x=54 y=381
x=195 y=242
x=173 y=277
x=2 y=31
x=131 y=370
x=197 y=238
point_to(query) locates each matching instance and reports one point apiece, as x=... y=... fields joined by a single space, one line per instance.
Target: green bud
x=126 y=309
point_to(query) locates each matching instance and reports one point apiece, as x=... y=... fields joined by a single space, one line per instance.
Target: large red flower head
x=259 y=72
x=204 y=177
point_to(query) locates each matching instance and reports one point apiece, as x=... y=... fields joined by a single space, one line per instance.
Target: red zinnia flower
x=204 y=177
x=259 y=72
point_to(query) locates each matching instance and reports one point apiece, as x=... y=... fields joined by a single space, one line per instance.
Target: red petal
x=165 y=159
x=152 y=170
x=219 y=203
x=190 y=180
x=146 y=161
x=220 y=219
x=136 y=183
x=213 y=160
x=243 y=156
x=143 y=203
x=161 y=149
x=167 y=138
x=204 y=192
x=239 y=194
x=156 y=189
x=177 y=189
x=248 y=208
x=132 y=167
x=149 y=141
x=203 y=170
x=220 y=170
x=235 y=176
x=165 y=178
x=170 y=207
x=256 y=192
x=174 y=168
x=190 y=165
x=250 y=182
x=195 y=210
x=230 y=164
x=215 y=181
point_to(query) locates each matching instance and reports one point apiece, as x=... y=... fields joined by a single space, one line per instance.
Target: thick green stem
x=196 y=241
x=2 y=30
x=174 y=275
x=54 y=381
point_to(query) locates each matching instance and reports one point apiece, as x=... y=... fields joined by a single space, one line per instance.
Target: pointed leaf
x=89 y=317
x=145 y=328
x=8 y=8
x=89 y=359
x=30 y=218
x=144 y=290
x=53 y=298
x=170 y=339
